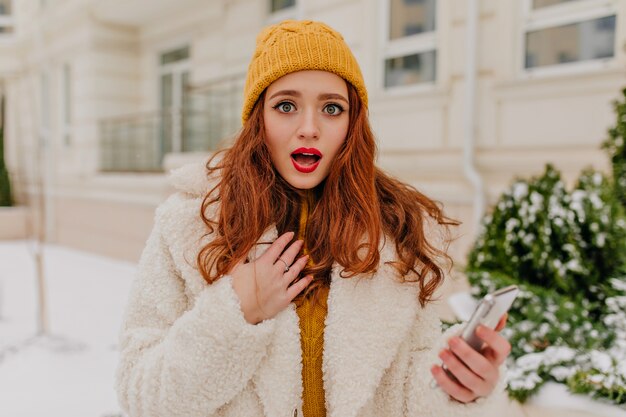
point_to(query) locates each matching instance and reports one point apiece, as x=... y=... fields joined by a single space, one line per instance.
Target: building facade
x=104 y=97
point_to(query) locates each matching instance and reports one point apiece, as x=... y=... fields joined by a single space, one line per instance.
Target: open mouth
x=306 y=160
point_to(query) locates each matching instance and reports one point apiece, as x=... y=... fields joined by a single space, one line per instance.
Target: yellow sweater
x=312 y=315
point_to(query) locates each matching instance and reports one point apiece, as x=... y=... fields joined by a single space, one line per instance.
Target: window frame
x=565 y=14
x=404 y=46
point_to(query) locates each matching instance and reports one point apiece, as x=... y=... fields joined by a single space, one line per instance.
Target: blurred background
x=102 y=98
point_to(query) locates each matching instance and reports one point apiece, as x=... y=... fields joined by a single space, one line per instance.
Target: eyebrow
x=323 y=96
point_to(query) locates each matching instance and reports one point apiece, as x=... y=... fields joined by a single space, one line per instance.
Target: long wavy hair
x=357 y=205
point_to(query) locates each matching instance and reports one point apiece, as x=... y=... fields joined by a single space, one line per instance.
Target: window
x=279 y=10
x=565 y=33
x=213 y=113
x=5 y=7
x=277 y=5
x=545 y=3
x=175 y=55
x=44 y=109
x=6 y=17
x=174 y=86
x=410 y=56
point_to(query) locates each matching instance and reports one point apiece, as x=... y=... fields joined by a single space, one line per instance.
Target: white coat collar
x=368 y=318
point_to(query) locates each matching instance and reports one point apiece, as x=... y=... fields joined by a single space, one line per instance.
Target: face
x=306 y=122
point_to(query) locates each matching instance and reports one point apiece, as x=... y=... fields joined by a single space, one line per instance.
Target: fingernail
x=454 y=342
x=480 y=330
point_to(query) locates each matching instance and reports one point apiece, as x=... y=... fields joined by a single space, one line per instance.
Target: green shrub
x=5 y=185
x=616 y=148
x=566 y=250
x=541 y=234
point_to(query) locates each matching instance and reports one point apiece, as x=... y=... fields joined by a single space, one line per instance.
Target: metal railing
x=139 y=142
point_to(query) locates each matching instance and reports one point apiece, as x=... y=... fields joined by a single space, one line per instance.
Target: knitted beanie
x=292 y=46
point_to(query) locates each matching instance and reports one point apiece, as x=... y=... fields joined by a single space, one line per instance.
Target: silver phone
x=488 y=313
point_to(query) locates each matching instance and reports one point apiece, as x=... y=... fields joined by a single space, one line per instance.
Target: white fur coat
x=187 y=351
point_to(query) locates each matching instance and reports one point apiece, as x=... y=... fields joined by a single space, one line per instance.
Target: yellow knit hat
x=292 y=46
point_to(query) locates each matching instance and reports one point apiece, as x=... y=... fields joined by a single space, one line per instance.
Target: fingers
x=297 y=287
x=295 y=269
x=452 y=388
x=290 y=254
x=498 y=347
x=276 y=248
x=470 y=367
x=463 y=374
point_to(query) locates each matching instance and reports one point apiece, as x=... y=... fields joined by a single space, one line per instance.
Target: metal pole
x=469 y=122
x=40 y=186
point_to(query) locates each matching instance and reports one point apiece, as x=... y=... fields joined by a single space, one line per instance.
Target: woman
x=291 y=277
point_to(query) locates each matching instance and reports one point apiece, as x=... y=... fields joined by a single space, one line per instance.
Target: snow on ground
x=70 y=373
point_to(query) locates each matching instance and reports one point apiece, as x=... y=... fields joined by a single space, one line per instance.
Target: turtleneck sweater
x=312 y=314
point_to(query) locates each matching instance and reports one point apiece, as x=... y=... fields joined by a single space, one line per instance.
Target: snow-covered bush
x=590 y=358
x=566 y=250
x=541 y=234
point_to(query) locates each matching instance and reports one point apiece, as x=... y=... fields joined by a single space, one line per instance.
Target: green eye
x=333 y=109
x=285 y=107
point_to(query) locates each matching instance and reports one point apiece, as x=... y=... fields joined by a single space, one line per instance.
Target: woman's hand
x=475 y=374
x=263 y=285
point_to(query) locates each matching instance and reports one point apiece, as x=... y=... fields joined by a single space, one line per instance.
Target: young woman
x=290 y=276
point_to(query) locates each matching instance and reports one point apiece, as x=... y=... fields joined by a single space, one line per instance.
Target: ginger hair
x=357 y=206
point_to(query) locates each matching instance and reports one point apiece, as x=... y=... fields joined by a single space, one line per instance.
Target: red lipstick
x=306 y=154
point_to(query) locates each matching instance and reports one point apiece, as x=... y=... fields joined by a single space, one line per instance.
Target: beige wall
x=114 y=229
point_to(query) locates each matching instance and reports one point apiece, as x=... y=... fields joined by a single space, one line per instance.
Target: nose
x=309 y=126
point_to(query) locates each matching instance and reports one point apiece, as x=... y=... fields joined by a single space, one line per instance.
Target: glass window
x=410 y=69
x=6 y=20
x=5 y=7
x=175 y=55
x=167 y=95
x=410 y=50
x=410 y=17
x=545 y=3
x=276 y=5
x=583 y=41
x=213 y=114
x=44 y=121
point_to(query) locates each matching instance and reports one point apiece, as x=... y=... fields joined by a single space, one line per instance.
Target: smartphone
x=488 y=313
